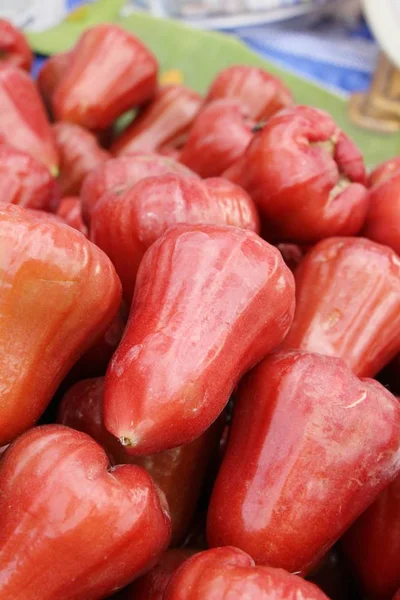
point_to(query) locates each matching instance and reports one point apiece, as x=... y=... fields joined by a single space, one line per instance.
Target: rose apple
x=167 y=119
x=125 y=225
x=261 y=93
x=230 y=573
x=23 y=120
x=59 y=292
x=219 y=136
x=306 y=177
x=348 y=303
x=26 y=181
x=119 y=174
x=179 y=472
x=110 y=72
x=79 y=154
x=314 y=451
x=382 y=223
x=210 y=302
x=77 y=528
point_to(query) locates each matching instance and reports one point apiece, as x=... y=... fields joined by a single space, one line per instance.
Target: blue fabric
x=341 y=79
x=335 y=55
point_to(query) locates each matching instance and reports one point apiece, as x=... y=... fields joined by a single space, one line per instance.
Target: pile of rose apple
x=146 y=279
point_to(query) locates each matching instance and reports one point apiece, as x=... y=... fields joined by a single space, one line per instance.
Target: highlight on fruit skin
x=261 y=93
x=306 y=177
x=196 y=287
x=22 y=106
x=126 y=224
x=60 y=292
x=227 y=571
x=209 y=303
x=110 y=72
x=315 y=450
x=116 y=512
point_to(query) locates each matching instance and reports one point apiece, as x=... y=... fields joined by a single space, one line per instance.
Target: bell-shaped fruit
x=164 y=122
x=179 y=472
x=110 y=72
x=58 y=293
x=125 y=225
x=230 y=573
x=310 y=448
x=348 y=303
x=72 y=527
x=119 y=174
x=210 y=302
x=26 y=181
x=79 y=154
x=261 y=93
x=219 y=136
x=306 y=177
x=23 y=120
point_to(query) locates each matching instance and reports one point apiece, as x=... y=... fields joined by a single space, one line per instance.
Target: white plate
x=204 y=14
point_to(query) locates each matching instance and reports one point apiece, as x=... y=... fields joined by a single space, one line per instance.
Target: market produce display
x=200 y=332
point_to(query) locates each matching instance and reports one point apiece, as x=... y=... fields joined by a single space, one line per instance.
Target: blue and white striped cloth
x=335 y=54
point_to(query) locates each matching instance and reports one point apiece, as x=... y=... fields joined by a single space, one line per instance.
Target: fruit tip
x=126 y=442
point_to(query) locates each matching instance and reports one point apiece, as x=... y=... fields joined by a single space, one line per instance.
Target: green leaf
x=63 y=36
x=199 y=55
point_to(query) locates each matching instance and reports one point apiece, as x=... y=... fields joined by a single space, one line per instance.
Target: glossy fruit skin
x=79 y=154
x=209 y=303
x=23 y=120
x=259 y=92
x=315 y=450
x=111 y=71
x=348 y=303
x=230 y=573
x=119 y=174
x=77 y=528
x=26 y=181
x=167 y=119
x=382 y=223
x=397 y=596
x=372 y=545
x=70 y=209
x=153 y=585
x=219 y=136
x=14 y=48
x=384 y=171
x=125 y=225
x=50 y=76
x=295 y=169
x=3 y=449
x=59 y=293
x=179 y=472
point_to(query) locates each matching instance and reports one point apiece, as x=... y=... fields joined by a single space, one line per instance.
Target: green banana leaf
x=198 y=55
